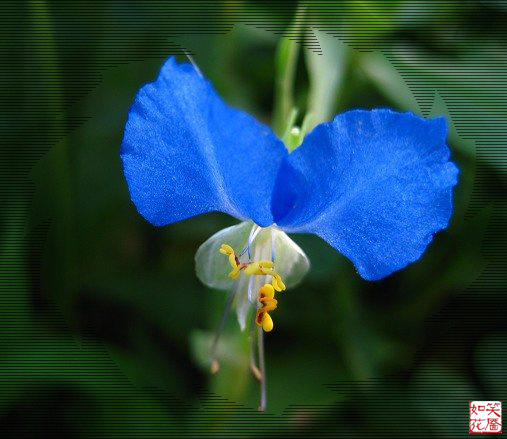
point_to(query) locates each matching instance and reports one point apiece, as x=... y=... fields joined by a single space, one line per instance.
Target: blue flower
x=376 y=185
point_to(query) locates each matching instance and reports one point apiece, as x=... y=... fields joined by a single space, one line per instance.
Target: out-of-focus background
x=103 y=321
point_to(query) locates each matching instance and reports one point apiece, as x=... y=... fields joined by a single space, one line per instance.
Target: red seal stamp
x=485 y=417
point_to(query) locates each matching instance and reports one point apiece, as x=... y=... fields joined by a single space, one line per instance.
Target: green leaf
x=326 y=74
x=291 y=121
x=285 y=63
x=201 y=343
x=446 y=88
x=388 y=80
x=490 y=363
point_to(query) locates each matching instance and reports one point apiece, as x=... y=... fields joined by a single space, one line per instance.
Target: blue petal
x=186 y=153
x=376 y=185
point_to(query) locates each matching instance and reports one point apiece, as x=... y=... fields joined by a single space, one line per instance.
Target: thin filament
x=251 y=294
x=253 y=360
x=263 y=399
x=191 y=59
x=221 y=326
x=248 y=244
x=253 y=234
x=272 y=247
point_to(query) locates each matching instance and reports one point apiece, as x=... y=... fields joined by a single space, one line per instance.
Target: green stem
x=61 y=195
x=285 y=64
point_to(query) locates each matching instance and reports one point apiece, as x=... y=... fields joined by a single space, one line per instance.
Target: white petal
x=291 y=261
x=211 y=266
x=241 y=302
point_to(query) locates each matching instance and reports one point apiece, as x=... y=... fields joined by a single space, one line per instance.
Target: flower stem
x=286 y=62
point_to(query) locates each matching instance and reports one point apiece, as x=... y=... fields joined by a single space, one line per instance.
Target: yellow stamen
x=266 y=264
x=233 y=260
x=226 y=249
x=267 y=299
x=267 y=323
x=276 y=281
x=234 y=274
x=252 y=268
x=266 y=292
x=279 y=282
x=266 y=268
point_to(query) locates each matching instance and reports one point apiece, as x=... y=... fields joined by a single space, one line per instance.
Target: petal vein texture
x=376 y=185
x=185 y=152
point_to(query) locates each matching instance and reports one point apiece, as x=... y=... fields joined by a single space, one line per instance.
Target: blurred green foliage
x=104 y=327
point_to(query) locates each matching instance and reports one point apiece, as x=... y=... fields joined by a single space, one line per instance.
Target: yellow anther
x=280 y=286
x=252 y=268
x=235 y=267
x=226 y=249
x=257 y=268
x=267 y=322
x=276 y=281
x=267 y=299
x=267 y=291
x=233 y=260
x=266 y=264
x=234 y=274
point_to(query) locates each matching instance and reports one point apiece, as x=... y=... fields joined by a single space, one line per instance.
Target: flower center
x=266 y=292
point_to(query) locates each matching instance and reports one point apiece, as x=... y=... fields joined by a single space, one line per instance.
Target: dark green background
x=102 y=318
